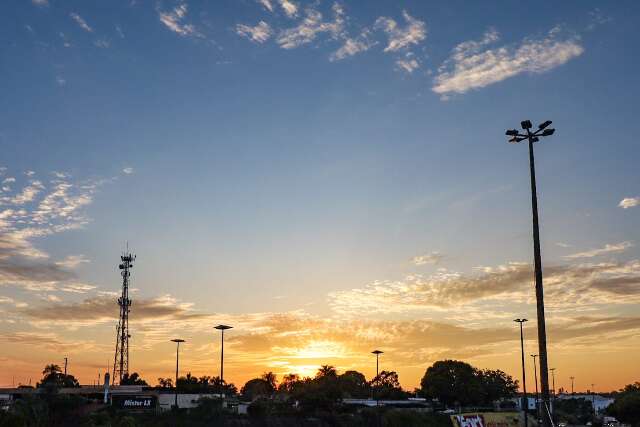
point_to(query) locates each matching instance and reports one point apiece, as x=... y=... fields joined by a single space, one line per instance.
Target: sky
x=328 y=178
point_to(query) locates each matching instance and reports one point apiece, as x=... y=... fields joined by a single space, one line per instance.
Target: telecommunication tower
x=121 y=358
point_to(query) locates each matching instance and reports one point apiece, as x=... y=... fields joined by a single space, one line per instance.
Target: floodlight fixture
x=545 y=124
x=177 y=340
x=512 y=132
x=222 y=327
x=548 y=132
x=526 y=124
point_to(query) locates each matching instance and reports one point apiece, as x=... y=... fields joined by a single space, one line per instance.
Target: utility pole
x=532 y=137
x=177 y=341
x=572 y=378
x=222 y=328
x=535 y=373
x=65 y=366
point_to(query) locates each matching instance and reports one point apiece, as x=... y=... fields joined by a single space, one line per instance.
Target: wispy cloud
x=289 y=7
x=408 y=64
x=607 y=249
x=81 y=22
x=431 y=258
x=259 y=33
x=566 y=285
x=473 y=65
x=40 y=2
x=128 y=170
x=399 y=38
x=266 y=4
x=353 y=46
x=174 y=21
x=311 y=26
x=629 y=202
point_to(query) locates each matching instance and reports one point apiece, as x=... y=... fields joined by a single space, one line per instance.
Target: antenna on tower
x=121 y=357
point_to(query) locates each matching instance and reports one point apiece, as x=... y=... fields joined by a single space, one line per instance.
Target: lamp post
x=377 y=353
x=532 y=137
x=553 y=400
x=524 y=375
x=66 y=360
x=177 y=341
x=572 y=378
x=535 y=373
x=222 y=328
x=593 y=400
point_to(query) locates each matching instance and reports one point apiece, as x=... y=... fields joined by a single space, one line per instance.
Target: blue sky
x=291 y=156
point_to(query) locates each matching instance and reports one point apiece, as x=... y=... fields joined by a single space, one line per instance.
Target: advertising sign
x=486 y=419
x=135 y=403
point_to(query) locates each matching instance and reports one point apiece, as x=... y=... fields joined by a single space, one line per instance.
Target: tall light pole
x=553 y=379
x=572 y=378
x=532 y=137
x=593 y=399
x=222 y=328
x=377 y=353
x=524 y=375
x=535 y=373
x=177 y=341
x=66 y=360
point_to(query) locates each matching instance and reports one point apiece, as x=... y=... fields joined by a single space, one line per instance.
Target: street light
x=553 y=378
x=572 y=378
x=177 y=341
x=524 y=375
x=517 y=136
x=535 y=373
x=222 y=328
x=377 y=353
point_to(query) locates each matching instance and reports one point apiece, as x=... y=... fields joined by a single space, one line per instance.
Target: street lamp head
x=535 y=139
x=177 y=340
x=511 y=132
x=376 y=352
x=520 y=320
x=544 y=125
x=534 y=355
x=222 y=327
x=548 y=132
x=526 y=124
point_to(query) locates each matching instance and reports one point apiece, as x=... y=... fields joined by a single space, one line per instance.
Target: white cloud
x=40 y=2
x=400 y=38
x=289 y=7
x=81 y=22
x=353 y=46
x=102 y=43
x=472 y=65
x=432 y=258
x=259 y=34
x=72 y=261
x=266 y=4
x=408 y=64
x=173 y=20
x=629 y=202
x=310 y=27
x=127 y=170
x=607 y=249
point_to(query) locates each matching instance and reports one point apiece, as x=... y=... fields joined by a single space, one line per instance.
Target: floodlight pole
x=532 y=137
x=535 y=373
x=525 y=407
x=222 y=328
x=177 y=341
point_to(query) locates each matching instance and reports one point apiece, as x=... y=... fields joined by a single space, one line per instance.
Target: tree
x=497 y=385
x=626 y=406
x=256 y=388
x=133 y=379
x=353 y=384
x=271 y=379
x=165 y=382
x=53 y=378
x=452 y=382
x=326 y=371
x=288 y=383
x=387 y=386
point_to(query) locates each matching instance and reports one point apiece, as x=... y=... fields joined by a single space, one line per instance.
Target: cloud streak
x=473 y=65
x=607 y=249
x=400 y=38
x=629 y=202
x=258 y=34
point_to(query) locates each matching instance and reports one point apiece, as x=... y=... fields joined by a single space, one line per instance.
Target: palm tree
x=326 y=371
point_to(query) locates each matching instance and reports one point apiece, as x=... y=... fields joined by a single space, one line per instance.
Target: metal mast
x=121 y=357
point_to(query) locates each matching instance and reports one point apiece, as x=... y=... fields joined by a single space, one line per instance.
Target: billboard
x=486 y=419
x=135 y=402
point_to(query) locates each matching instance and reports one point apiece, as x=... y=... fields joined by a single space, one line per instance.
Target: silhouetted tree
x=626 y=405
x=256 y=388
x=452 y=382
x=387 y=386
x=52 y=378
x=165 y=382
x=288 y=383
x=271 y=379
x=353 y=384
x=497 y=385
x=133 y=379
